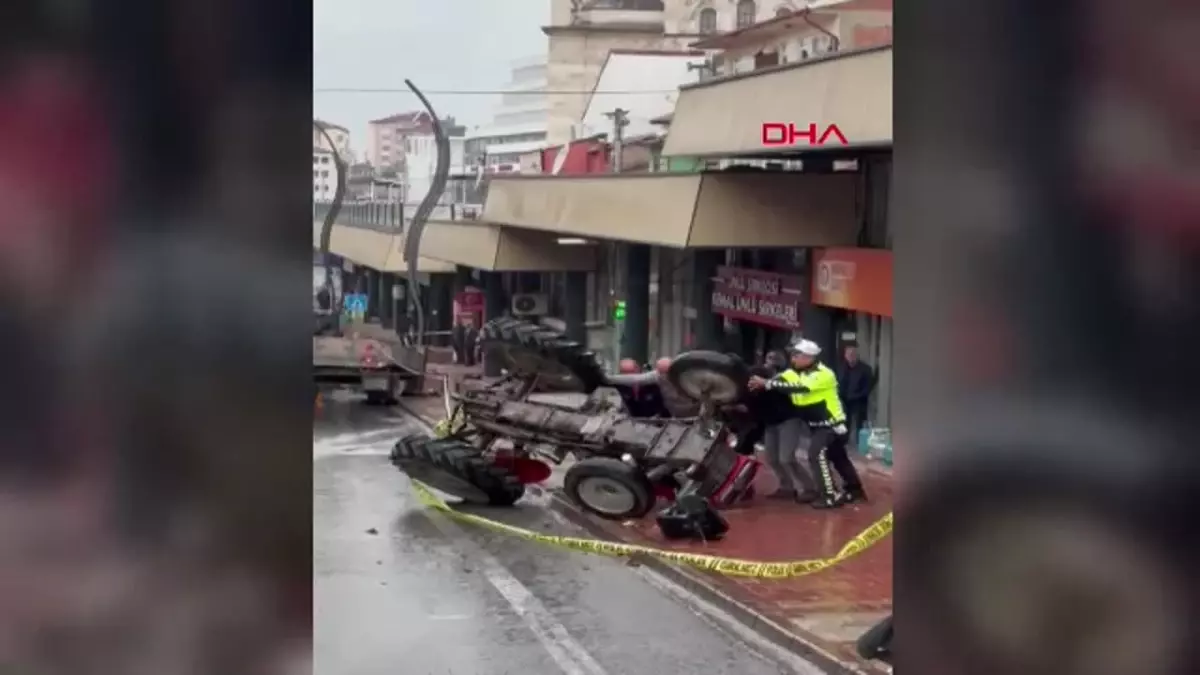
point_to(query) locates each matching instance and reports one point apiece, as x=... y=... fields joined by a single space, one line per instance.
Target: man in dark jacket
x=782 y=432
x=465 y=337
x=856 y=379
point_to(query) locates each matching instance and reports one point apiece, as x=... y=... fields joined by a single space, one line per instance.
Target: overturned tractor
x=501 y=436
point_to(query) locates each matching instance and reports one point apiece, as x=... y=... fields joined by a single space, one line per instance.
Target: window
x=325 y=159
x=316 y=159
x=782 y=11
x=746 y=11
x=708 y=21
x=766 y=59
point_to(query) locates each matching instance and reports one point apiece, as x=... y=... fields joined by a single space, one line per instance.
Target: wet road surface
x=400 y=590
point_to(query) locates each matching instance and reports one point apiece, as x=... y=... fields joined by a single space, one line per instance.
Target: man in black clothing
x=465 y=336
x=856 y=380
x=773 y=420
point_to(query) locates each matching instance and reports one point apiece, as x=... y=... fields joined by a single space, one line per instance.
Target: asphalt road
x=400 y=590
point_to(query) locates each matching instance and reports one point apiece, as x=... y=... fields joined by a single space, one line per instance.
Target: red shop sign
x=766 y=298
x=469 y=301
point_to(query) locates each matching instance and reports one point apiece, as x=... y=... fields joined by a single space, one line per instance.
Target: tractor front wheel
x=609 y=488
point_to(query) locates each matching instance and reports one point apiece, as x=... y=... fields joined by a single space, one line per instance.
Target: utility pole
x=632 y=327
x=704 y=67
x=620 y=120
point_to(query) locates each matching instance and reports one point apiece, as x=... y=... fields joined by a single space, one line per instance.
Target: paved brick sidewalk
x=826 y=611
x=823 y=613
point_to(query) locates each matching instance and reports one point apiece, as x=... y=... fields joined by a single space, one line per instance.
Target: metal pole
x=636 y=308
x=620 y=120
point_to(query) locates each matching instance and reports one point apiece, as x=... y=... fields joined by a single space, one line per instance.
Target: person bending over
x=814 y=394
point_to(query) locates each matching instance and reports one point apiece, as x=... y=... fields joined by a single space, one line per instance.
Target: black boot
x=855 y=495
x=830 y=502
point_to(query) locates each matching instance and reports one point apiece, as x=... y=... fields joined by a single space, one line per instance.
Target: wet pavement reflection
x=403 y=591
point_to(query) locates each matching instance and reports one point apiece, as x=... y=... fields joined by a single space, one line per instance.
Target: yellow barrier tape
x=450 y=425
x=709 y=563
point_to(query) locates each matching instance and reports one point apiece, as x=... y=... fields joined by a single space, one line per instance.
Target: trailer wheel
x=391 y=396
x=710 y=376
x=609 y=488
x=457 y=468
x=531 y=350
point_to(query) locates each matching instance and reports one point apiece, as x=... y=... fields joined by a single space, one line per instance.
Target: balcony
x=619 y=13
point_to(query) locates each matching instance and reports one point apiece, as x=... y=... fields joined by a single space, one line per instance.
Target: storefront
x=858 y=283
x=762 y=310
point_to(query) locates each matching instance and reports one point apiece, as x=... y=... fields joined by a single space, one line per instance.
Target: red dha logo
x=786 y=133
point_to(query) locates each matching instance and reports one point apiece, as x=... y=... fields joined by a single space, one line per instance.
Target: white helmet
x=807 y=347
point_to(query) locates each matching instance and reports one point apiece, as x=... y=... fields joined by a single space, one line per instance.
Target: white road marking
x=570 y=656
x=377 y=442
x=721 y=621
x=451 y=617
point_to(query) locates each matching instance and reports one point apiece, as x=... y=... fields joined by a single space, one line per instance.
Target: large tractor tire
x=457 y=468
x=528 y=349
x=710 y=376
x=609 y=488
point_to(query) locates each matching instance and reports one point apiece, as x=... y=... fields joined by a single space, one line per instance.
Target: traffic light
x=619 y=311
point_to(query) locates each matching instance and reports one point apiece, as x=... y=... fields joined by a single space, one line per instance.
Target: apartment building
x=339 y=134
x=518 y=122
x=817 y=29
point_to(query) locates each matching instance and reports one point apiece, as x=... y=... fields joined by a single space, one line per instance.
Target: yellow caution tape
x=709 y=563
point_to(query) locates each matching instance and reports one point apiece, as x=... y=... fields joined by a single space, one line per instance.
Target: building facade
x=386 y=136
x=582 y=34
x=791 y=36
x=324 y=175
x=518 y=123
x=420 y=164
x=340 y=136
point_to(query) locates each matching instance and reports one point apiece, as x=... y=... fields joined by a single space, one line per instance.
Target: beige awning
x=380 y=251
x=683 y=210
x=725 y=116
x=486 y=246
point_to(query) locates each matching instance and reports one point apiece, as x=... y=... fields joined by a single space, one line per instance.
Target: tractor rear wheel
x=457 y=468
x=531 y=350
x=609 y=488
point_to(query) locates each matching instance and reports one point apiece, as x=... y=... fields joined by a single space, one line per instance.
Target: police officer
x=814 y=392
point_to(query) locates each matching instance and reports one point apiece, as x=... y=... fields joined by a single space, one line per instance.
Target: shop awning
x=381 y=251
x=490 y=247
x=723 y=209
x=725 y=116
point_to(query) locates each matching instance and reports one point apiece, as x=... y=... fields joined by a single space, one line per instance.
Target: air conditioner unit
x=529 y=304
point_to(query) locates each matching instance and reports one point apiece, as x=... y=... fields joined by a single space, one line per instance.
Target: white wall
x=421 y=162
x=648 y=73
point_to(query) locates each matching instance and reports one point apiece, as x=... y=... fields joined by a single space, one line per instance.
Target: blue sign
x=355 y=303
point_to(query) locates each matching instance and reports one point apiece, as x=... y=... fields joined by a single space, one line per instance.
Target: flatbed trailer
x=369 y=358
